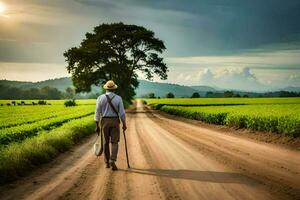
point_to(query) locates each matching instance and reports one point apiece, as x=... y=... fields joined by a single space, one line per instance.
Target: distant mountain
x=60 y=83
x=145 y=87
x=203 y=88
x=291 y=89
x=161 y=89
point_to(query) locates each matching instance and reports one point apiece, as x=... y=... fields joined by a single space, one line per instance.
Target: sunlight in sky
x=2 y=8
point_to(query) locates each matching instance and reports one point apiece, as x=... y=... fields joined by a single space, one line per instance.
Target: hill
x=203 y=88
x=145 y=87
x=291 y=89
x=59 y=83
x=161 y=89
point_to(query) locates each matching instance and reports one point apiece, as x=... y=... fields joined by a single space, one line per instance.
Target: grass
x=21 y=132
x=276 y=118
x=52 y=102
x=17 y=159
x=277 y=115
x=17 y=115
x=221 y=101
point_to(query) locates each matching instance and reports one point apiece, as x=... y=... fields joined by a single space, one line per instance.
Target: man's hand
x=97 y=129
x=124 y=127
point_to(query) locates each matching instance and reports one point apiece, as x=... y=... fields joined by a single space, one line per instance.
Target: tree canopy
x=195 y=95
x=170 y=95
x=116 y=52
x=7 y=92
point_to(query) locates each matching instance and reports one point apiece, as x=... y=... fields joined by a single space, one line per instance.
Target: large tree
x=116 y=52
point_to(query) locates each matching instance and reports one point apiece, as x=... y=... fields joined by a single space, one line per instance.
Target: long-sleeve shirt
x=103 y=108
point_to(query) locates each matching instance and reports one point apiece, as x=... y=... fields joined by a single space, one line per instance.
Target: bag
x=98 y=147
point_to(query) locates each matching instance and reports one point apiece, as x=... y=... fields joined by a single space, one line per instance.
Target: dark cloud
x=219 y=26
x=98 y=3
x=189 y=28
x=16 y=51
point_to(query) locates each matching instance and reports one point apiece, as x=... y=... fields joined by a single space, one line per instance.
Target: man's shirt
x=103 y=108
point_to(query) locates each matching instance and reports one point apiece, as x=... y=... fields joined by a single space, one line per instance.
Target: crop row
x=17 y=159
x=282 y=119
x=221 y=101
x=26 y=116
x=23 y=110
x=19 y=133
x=52 y=102
x=20 y=111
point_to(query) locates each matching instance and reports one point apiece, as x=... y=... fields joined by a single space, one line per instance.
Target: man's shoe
x=107 y=165
x=114 y=166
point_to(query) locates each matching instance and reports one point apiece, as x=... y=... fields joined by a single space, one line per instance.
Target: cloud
x=37 y=12
x=231 y=78
x=287 y=59
x=222 y=27
x=251 y=70
x=238 y=78
x=31 y=71
x=210 y=42
x=201 y=27
x=63 y=24
x=187 y=78
x=294 y=80
x=205 y=76
x=19 y=51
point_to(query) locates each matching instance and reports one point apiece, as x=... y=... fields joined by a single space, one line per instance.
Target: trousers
x=111 y=132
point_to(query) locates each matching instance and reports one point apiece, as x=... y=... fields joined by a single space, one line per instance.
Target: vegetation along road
x=171 y=159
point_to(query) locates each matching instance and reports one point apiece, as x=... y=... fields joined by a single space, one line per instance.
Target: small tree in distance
x=195 y=95
x=70 y=103
x=151 y=95
x=170 y=95
x=228 y=94
x=70 y=93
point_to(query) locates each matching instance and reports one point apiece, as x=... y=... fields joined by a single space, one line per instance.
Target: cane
x=126 y=149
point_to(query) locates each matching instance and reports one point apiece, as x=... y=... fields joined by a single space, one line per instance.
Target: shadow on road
x=204 y=176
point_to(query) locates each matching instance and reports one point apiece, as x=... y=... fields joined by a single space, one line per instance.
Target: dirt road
x=170 y=160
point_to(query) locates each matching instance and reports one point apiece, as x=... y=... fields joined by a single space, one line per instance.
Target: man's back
x=103 y=108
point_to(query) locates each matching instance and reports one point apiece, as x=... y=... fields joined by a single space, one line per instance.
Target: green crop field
x=217 y=101
x=33 y=134
x=283 y=119
x=52 y=102
x=277 y=115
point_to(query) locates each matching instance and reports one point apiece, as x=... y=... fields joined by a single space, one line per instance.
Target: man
x=111 y=109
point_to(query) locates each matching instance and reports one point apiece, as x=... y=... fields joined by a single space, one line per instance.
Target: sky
x=249 y=45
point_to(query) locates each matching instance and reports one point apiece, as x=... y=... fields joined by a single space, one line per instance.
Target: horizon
x=210 y=43
x=217 y=89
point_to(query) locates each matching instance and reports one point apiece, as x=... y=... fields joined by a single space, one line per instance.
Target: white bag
x=98 y=148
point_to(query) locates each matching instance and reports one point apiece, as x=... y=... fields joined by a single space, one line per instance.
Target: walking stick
x=126 y=149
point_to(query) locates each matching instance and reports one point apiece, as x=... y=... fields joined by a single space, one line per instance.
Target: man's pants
x=111 y=131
